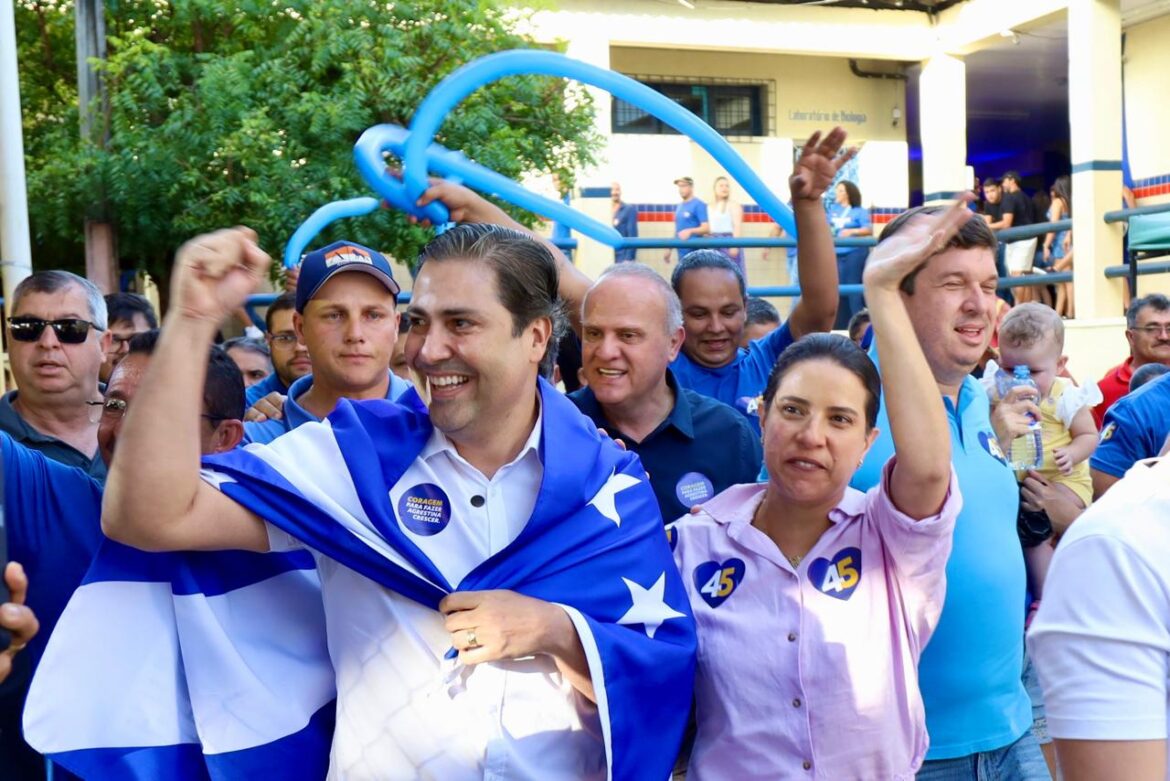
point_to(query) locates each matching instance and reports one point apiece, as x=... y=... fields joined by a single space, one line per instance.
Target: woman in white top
x=726 y=218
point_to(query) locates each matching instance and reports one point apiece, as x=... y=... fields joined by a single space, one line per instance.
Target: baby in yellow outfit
x=1032 y=335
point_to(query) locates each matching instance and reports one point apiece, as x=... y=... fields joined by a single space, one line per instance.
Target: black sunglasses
x=70 y=330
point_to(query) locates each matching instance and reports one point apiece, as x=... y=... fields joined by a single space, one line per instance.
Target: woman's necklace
x=793 y=560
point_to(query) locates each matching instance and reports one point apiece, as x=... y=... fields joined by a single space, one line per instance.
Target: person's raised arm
x=816 y=258
x=918 y=419
x=154 y=497
x=465 y=205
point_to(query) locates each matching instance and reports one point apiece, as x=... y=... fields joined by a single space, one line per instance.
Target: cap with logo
x=685 y=180
x=320 y=265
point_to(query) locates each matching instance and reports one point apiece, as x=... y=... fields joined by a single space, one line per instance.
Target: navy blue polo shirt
x=702 y=448
x=740 y=383
x=1135 y=427
x=18 y=428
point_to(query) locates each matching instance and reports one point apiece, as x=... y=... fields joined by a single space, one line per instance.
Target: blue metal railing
x=1129 y=269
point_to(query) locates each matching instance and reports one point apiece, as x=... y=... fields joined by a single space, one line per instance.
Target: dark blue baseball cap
x=320 y=265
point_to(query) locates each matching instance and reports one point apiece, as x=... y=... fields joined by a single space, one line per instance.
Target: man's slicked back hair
x=706 y=258
x=54 y=281
x=974 y=233
x=526 y=274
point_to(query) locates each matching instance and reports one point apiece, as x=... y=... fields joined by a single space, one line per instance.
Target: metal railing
x=1131 y=268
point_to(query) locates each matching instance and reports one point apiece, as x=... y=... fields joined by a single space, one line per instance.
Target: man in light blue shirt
x=977 y=711
x=349 y=324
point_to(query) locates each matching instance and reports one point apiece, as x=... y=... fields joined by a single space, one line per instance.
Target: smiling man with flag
x=500 y=601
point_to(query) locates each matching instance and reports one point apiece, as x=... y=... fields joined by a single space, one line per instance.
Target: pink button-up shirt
x=811 y=672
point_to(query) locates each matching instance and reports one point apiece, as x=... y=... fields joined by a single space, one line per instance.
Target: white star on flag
x=649 y=608
x=215 y=479
x=604 y=500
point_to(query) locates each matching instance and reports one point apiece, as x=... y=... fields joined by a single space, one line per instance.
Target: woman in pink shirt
x=813 y=600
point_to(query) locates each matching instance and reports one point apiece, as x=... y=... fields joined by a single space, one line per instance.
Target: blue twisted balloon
x=420 y=156
x=419 y=152
x=330 y=212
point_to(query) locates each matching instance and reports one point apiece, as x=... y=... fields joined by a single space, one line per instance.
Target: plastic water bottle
x=1027 y=450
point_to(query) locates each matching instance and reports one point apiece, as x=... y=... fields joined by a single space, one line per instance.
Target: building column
x=592 y=192
x=942 y=90
x=1094 y=92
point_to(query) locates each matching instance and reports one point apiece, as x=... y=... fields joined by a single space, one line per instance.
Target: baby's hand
x=1063 y=460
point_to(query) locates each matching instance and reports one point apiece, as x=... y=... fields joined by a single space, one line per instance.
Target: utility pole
x=15 y=247
x=101 y=260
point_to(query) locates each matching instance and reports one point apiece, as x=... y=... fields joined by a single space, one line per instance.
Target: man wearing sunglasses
x=57 y=341
x=53 y=515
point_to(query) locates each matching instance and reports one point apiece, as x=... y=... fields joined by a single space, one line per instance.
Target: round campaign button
x=693 y=488
x=425 y=509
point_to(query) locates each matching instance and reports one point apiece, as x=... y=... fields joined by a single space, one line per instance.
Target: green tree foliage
x=226 y=112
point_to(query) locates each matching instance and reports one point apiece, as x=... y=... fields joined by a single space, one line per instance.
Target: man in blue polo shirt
x=714 y=295
x=1135 y=427
x=692 y=446
x=977 y=711
x=349 y=324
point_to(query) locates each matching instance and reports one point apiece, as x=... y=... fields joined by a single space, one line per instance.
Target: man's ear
x=541 y=330
x=228 y=435
x=299 y=326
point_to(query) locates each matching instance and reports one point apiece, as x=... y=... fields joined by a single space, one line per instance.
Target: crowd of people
x=736 y=546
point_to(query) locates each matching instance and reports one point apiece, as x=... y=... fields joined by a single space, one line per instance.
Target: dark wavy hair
x=839 y=350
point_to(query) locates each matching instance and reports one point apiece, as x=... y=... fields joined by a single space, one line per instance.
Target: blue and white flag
x=177 y=666
x=594 y=543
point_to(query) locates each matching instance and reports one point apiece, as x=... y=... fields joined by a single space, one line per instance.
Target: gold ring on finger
x=472 y=640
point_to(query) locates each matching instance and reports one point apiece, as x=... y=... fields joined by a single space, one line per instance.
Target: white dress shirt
x=403 y=711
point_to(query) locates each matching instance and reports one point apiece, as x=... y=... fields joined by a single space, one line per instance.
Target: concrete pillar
x=942 y=89
x=591 y=256
x=1094 y=89
x=15 y=246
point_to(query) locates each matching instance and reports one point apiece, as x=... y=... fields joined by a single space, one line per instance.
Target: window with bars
x=732 y=109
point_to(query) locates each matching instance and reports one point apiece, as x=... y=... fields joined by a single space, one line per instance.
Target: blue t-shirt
x=689 y=214
x=842 y=217
x=702 y=448
x=53 y=516
x=969 y=672
x=294 y=414
x=271 y=383
x=739 y=383
x=1135 y=427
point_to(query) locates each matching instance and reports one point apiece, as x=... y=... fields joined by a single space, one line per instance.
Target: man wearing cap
x=349 y=324
x=690 y=218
